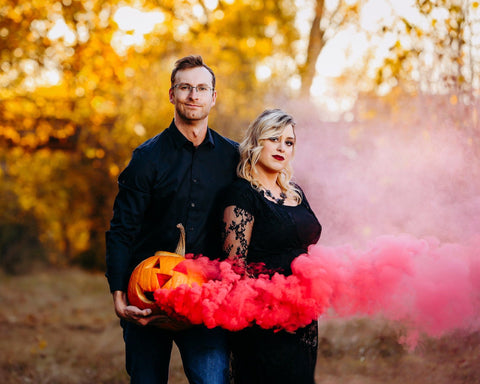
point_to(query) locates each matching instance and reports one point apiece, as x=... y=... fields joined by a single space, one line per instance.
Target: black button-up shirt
x=168 y=181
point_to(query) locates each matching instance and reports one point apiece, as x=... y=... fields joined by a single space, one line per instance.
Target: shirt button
x=192 y=205
x=195 y=181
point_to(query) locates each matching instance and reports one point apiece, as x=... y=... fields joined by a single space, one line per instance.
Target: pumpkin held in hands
x=158 y=272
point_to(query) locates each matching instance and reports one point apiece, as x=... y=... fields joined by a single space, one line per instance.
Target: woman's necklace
x=280 y=200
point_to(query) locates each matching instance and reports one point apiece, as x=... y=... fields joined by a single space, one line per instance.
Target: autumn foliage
x=80 y=87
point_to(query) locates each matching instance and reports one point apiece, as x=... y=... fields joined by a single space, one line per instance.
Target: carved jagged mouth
x=146 y=297
x=149 y=296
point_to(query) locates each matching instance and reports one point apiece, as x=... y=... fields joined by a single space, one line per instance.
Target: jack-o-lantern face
x=158 y=272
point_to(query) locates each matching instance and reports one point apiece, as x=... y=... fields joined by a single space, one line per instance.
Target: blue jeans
x=205 y=354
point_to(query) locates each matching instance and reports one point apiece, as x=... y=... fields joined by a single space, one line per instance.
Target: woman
x=268 y=223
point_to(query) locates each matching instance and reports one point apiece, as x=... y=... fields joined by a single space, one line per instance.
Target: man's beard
x=190 y=115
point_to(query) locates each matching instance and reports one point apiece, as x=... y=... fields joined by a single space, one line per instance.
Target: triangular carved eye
x=157 y=264
x=162 y=279
x=182 y=268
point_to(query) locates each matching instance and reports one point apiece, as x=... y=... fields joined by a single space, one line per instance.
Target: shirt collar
x=179 y=140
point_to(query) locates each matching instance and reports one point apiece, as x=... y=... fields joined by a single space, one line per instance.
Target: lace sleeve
x=237 y=232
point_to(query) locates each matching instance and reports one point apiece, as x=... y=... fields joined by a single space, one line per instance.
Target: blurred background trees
x=82 y=83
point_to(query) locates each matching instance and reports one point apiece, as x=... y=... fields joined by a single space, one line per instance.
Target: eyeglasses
x=201 y=89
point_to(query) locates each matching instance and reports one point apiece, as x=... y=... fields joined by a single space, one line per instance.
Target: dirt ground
x=58 y=327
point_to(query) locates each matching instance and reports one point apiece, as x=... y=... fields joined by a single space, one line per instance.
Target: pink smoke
x=364 y=179
x=429 y=287
x=369 y=184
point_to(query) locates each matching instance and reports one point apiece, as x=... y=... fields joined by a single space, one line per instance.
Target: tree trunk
x=315 y=46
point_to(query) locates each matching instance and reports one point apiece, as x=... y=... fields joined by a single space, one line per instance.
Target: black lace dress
x=259 y=230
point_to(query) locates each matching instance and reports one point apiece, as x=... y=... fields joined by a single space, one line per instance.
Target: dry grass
x=58 y=327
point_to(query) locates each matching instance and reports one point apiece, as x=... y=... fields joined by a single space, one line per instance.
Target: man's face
x=192 y=104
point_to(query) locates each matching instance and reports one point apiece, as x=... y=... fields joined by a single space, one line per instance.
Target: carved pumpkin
x=158 y=271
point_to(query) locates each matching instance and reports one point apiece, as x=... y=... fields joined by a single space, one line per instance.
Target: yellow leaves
x=33 y=133
x=9 y=133
x=103 y=106
x=14 y=107
x=14 y=14
x=95 y=153
x=44 y=131
x=29 y=140
x=66 y=131
x=218 y=14
x=46 y=184
x=114 y=170
x=55 y=91
x=86 y=119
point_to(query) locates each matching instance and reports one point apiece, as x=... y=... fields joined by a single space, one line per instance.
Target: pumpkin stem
x=181 y=242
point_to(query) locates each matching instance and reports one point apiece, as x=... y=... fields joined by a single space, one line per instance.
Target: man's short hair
x=190 y=62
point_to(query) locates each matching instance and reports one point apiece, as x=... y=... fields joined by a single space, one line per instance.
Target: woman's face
x=277 y=151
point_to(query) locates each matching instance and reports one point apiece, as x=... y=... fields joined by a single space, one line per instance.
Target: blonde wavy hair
x=269 y=123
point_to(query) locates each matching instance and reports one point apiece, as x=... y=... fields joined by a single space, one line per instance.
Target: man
x=175 y=177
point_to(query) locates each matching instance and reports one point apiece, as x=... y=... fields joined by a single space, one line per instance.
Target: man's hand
x=130 y=312
x=145 y=316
